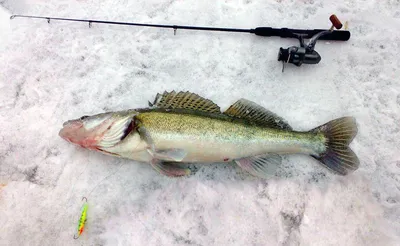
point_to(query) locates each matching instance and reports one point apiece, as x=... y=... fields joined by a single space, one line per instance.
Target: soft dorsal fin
x=184 y=100
x=253 y=112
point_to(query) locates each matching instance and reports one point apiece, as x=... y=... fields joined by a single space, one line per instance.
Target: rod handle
x=307 y=33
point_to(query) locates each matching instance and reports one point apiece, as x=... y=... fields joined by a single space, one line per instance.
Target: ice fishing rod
x=297 y=55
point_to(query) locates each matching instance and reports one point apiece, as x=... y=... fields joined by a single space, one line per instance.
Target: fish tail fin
x=338 y=156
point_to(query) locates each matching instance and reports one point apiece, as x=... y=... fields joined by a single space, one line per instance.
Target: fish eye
x=83 y=117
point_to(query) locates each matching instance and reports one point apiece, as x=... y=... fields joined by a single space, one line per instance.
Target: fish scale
x=198 y=134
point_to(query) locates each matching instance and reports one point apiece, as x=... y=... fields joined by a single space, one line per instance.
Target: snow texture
x=54 y=72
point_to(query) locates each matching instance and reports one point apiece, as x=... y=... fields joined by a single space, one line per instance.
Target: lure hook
x=84 y=198
x=76 y=237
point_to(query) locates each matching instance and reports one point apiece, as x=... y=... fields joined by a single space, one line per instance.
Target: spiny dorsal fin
x=253 y=112
x=185 y=100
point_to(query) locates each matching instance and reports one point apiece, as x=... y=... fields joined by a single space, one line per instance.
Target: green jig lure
x=82 y=219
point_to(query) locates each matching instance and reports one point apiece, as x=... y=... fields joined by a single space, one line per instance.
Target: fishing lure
x=82 y=219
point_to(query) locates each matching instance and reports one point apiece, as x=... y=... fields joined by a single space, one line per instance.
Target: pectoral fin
x=144 y=134
x=175 y=155
x=263 y=166
x=169 y=169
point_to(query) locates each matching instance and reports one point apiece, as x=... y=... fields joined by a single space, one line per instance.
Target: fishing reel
x=305 y=53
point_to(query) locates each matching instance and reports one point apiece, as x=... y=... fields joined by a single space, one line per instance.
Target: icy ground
x=54 y=72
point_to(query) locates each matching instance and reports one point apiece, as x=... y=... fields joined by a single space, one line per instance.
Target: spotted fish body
x=184 y=127
x=218 y=139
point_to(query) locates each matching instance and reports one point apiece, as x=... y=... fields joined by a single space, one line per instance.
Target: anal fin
x=169 y=169
x=263 y=166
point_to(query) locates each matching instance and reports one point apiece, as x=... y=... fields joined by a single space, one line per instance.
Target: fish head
x=99 y=131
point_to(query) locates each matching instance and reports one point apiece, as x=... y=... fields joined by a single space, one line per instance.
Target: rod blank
x=260 y=31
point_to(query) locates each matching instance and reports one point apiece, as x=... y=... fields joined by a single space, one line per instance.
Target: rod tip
x=12 y=17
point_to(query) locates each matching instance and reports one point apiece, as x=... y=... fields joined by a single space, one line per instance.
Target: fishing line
x=71 y=193
x=105 y=178
x=86 y=197
x=83 y=216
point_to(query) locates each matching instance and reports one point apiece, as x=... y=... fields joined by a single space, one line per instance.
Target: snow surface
x=54 y=72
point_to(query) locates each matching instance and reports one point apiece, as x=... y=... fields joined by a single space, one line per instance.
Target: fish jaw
x=73 y=132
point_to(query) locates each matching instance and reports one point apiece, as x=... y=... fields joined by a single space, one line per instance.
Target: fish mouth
x=70 y=133
x=72 y=122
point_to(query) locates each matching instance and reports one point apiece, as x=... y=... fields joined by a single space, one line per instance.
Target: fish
x=182 y=127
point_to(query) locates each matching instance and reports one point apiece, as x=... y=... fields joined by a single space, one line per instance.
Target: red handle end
x=335 y=22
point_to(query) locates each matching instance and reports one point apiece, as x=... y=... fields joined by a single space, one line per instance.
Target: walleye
x=186 y=128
